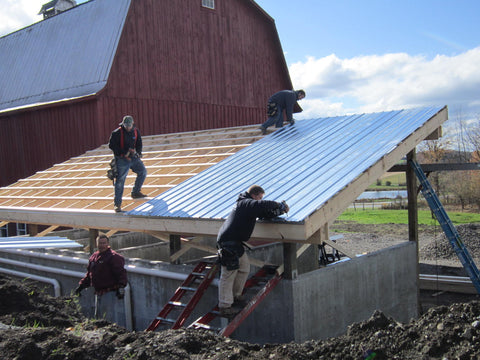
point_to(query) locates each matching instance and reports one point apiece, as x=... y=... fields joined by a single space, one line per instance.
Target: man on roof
x=281 y=101
x=231 y=239
x=126 y=144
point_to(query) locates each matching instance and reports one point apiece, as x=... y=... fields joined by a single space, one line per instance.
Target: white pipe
x=53 y=282
x=76 y=274
x=130 y=268
x=31 y=266
x=75 y=260
x=127 y=302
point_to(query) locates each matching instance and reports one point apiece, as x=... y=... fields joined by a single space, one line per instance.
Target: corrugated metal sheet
x=305 y=164
x=65 y=56
x=37 y=242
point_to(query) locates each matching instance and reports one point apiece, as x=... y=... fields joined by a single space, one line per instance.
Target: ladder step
x=166 y=320
x=198 y=274
x=176 y=303
x=206 y=326
x=188 y=288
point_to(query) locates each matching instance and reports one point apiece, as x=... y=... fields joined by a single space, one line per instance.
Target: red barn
x=67 y=81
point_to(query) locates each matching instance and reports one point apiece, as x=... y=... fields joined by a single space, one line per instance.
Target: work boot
x=239 y=301
x=227 y=312
x=117 y=209
x=264 y=130
x=138 y=195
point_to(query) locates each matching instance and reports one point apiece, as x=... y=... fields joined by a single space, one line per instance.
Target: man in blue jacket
x=278 y=102
x=126 y=144
x=235 y=231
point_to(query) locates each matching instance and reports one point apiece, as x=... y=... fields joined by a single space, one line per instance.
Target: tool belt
x=112 y=173
x=272 y=109
x=228 y=259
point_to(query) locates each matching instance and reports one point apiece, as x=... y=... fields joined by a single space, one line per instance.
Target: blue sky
x=355 y=56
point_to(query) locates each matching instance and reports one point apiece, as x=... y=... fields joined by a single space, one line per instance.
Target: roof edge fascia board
x=338 y=203
x=46 y=105
x=94 y=219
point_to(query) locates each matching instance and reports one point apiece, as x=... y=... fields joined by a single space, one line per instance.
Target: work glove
x=79 y=289
x=120 y=293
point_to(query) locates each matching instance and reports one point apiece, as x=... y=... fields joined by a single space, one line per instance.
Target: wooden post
x=33 y=229
x=413 y=216
x=175 y=245
x=290 y=261
x=92 y=234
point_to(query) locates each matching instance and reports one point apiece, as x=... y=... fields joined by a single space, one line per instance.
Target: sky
x=354 y=56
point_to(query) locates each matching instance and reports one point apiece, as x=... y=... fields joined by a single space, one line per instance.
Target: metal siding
x=229 y=57
x=305 y=164
x=61 y=57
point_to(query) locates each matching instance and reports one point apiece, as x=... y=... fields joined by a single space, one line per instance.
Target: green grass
x=401 y=217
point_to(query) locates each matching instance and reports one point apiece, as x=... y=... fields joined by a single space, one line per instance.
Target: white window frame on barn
x=210 y=4
x=21 y=229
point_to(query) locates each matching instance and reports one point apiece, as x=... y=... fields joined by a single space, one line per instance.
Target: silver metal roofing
x=66 y=56
x=305 y=164
x=19 y=242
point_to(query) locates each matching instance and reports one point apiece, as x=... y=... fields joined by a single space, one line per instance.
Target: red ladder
x=205 y=272
x=266 y=275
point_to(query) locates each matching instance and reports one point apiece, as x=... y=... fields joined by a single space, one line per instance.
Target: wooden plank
x=46 y=231
x=3 y=223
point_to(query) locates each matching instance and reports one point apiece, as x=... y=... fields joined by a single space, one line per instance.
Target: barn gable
x=174 y=66
x=61 y=57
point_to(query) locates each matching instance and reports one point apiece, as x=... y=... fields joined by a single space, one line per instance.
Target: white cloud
x=387 y=82
x=17 y=14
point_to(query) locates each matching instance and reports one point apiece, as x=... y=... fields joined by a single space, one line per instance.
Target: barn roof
x=318 y=166
x=63 y=57
x=67 y=56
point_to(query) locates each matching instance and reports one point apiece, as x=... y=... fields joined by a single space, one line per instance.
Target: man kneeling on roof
x=235 y=231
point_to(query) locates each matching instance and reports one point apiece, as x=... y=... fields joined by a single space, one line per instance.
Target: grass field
x=401 y=217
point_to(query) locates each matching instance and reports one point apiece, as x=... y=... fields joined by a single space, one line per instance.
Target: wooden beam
x=3 y=223
x=111 y=232
x=48 y=230
x=439 y=167
x=175 y=245
x=92 y=240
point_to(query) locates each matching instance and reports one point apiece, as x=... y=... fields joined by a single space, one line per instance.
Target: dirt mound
x=441 y=248
x=53 y=328
x=25 y=304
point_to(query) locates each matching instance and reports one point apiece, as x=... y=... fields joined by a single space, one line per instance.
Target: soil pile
x=40 y=327
x=442 y=249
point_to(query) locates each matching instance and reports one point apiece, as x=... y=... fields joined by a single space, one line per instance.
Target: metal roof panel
x=66 y=56
x=22 y=242
x=304 y=164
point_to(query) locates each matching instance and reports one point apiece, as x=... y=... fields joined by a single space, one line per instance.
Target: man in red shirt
x=107 y=274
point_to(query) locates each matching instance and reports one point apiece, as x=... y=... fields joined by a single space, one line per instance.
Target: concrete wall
x=324 y=302
x=317 y=305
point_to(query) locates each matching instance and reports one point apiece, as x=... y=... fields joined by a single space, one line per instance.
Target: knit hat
x=127 y=121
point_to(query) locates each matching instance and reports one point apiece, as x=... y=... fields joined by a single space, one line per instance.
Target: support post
x=413 y=215
x=290 y=271
x=175 y=245
x=92 y=237
x=33 y=229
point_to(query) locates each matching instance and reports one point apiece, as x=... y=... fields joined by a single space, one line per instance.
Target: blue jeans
x=276 y=119
x=123 y=165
